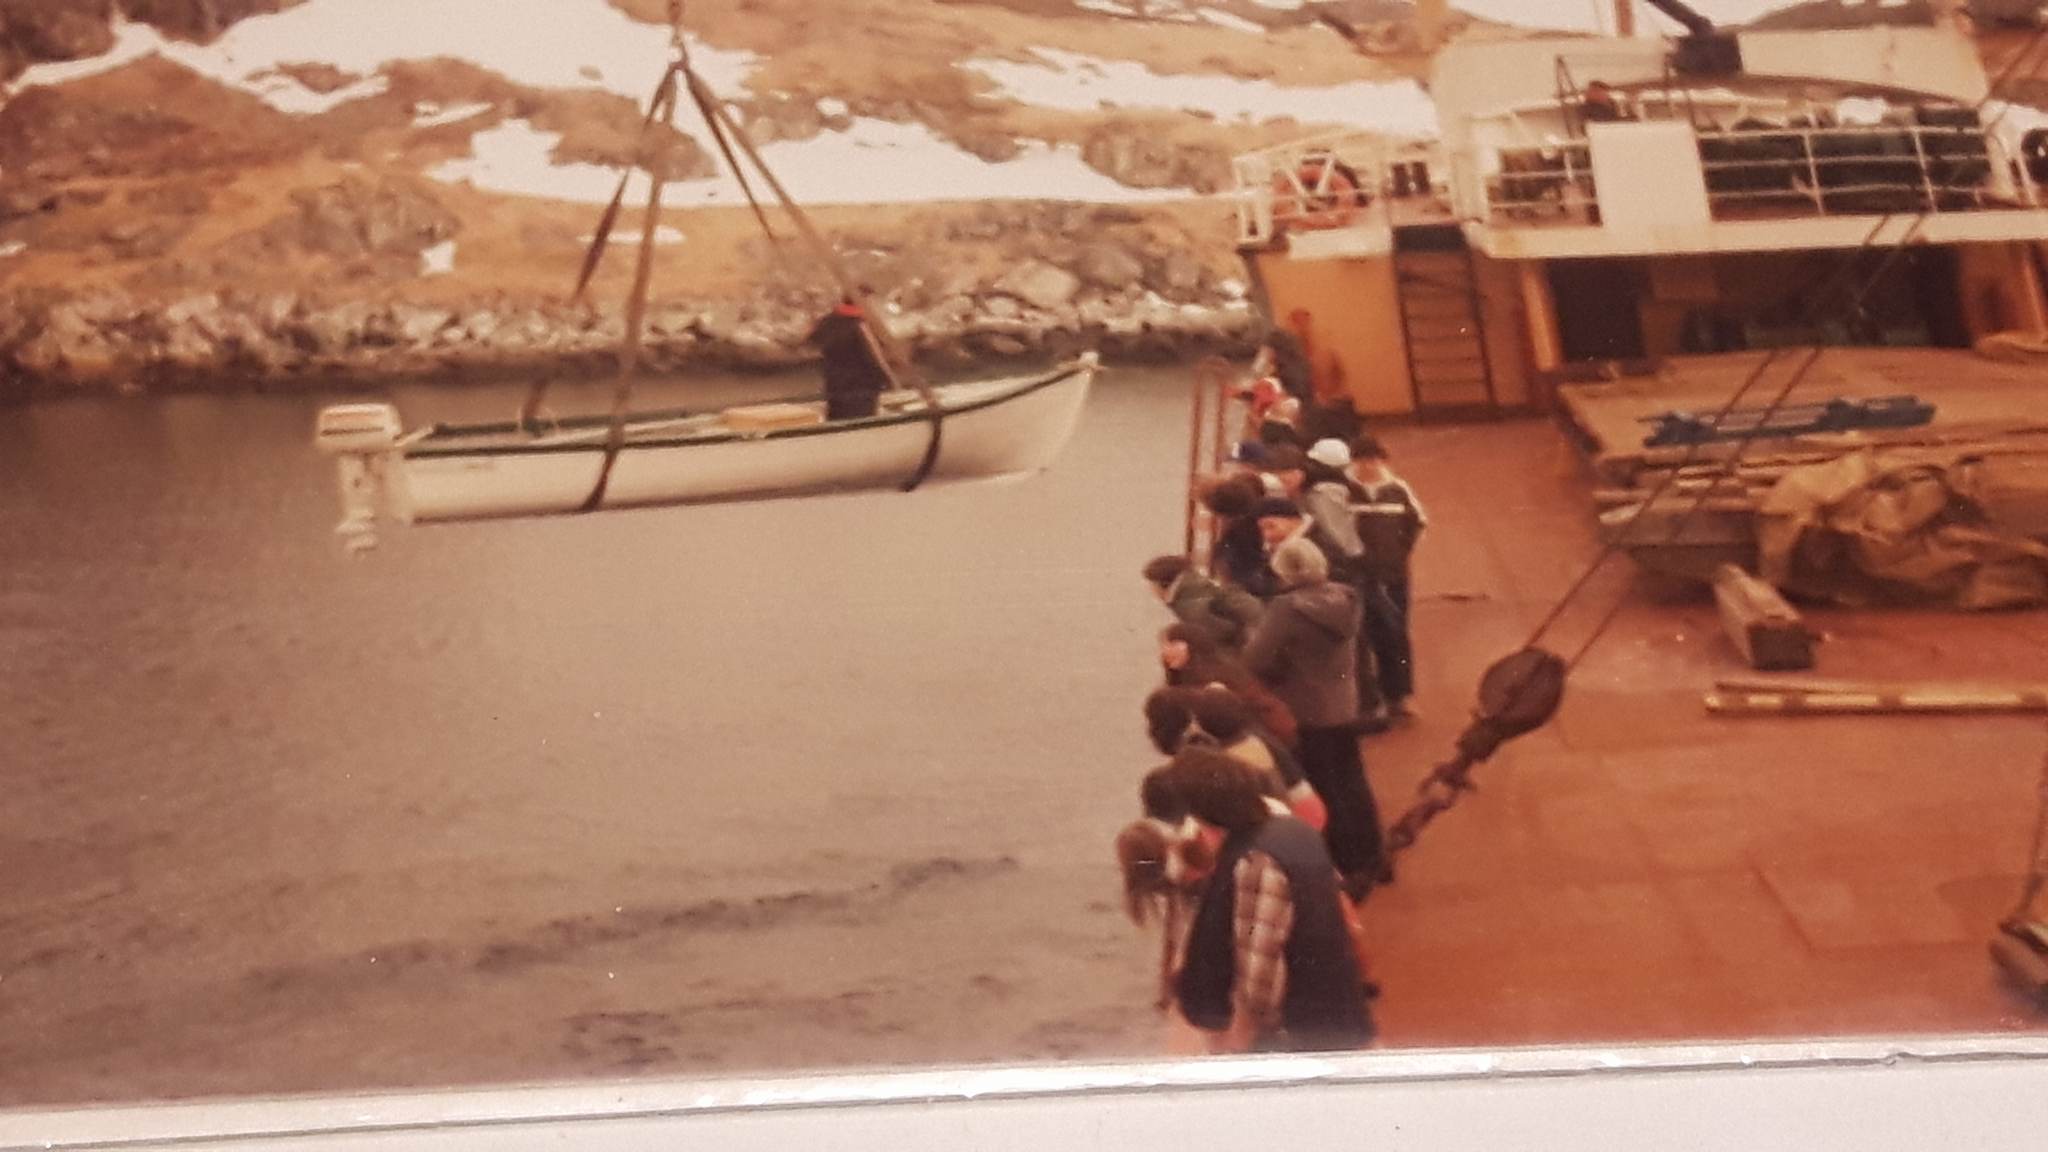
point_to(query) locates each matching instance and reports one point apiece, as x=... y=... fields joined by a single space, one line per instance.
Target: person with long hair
x=1190 y=657
x=1214 y=717
x=1270 y=962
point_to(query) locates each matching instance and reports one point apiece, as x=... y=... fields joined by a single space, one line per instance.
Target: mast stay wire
x=895 y=363
x=1521 y=691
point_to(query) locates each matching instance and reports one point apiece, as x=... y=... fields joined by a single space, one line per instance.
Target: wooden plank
x=1767 y=631
x=769 y=417
x=1832 y=686
x=1871 y=703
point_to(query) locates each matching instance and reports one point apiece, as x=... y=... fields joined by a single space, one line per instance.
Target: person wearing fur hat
x=1227 y=612
x=1306 y=650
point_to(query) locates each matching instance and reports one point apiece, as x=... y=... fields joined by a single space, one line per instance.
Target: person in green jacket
x=1227 y=613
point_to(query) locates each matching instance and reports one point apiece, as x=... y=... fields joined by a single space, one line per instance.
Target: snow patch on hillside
x=1598 y=15
x=1075 y=82
x=874 y=162
x=433 y=115
x=1224 y=19
x=539 y=43
x=438 y=260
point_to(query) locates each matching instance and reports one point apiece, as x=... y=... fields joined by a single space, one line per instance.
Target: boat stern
x=364 y=441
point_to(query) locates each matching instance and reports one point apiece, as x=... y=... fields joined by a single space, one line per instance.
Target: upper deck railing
x=1754 y=171
x=1767 y=171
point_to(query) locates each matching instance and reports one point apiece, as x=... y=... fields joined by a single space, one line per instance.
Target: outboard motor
x=363 y=439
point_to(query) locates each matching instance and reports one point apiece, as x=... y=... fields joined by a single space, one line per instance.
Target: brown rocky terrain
x=161 y=228
x=166 y=229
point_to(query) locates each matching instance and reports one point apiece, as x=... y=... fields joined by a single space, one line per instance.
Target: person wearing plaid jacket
x=1269 y=962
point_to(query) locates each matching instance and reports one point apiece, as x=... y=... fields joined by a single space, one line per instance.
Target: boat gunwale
x=427 y=448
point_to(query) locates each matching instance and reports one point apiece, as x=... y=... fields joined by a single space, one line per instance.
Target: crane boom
x=1695 y=24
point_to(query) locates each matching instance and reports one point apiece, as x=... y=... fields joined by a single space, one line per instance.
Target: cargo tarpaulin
x=1856 y=531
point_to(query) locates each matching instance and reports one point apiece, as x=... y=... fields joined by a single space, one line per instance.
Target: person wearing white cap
x=1326 y=497
x=1331 y=453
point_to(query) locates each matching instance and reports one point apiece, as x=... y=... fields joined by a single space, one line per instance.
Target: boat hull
x=989 y=430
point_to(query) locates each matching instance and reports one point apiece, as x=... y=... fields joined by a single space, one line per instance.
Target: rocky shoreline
x=111 y=342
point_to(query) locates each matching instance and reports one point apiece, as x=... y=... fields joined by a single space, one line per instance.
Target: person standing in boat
x=856 y=374
x=1306 y=649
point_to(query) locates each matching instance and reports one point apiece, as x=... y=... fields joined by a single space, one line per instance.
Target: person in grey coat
x=1306 y=649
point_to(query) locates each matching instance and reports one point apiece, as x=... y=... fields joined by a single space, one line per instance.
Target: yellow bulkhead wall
x=1355 y=329
x=2001 y=290
x=1354 y=325
x=1355 y=312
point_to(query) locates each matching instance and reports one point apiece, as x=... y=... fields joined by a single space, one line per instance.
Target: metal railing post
x=1926 y=176
x=1820 y=204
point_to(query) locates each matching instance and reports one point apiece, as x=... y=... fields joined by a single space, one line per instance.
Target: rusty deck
x=1642 y=870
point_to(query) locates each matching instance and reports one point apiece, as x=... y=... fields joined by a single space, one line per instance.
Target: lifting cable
x=725 y=131
x=893 y=360
x=1520 y=692
x=643 y=273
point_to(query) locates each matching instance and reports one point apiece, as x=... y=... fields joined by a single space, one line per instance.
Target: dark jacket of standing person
x=1306 y=650
x=1270 y=957
x=1239 y=555
x=1306 y=646
x=1390 y=516
x=1227 y=612
x=855 y=376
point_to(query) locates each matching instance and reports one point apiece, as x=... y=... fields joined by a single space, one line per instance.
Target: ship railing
x=1862 y=169
x=1792 y=171
x=1339 y=179
x=1544 y=180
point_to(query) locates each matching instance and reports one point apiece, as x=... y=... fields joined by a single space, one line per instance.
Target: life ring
x=1322 y=192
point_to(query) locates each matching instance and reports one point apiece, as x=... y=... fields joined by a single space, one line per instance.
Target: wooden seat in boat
x=770 y=417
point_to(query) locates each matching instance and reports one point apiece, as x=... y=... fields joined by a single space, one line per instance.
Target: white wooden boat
x=986 y=430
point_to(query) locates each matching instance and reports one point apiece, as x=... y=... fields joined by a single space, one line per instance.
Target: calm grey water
x=772 y=785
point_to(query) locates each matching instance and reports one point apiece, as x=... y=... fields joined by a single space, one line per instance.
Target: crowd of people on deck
x=1260 y=836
